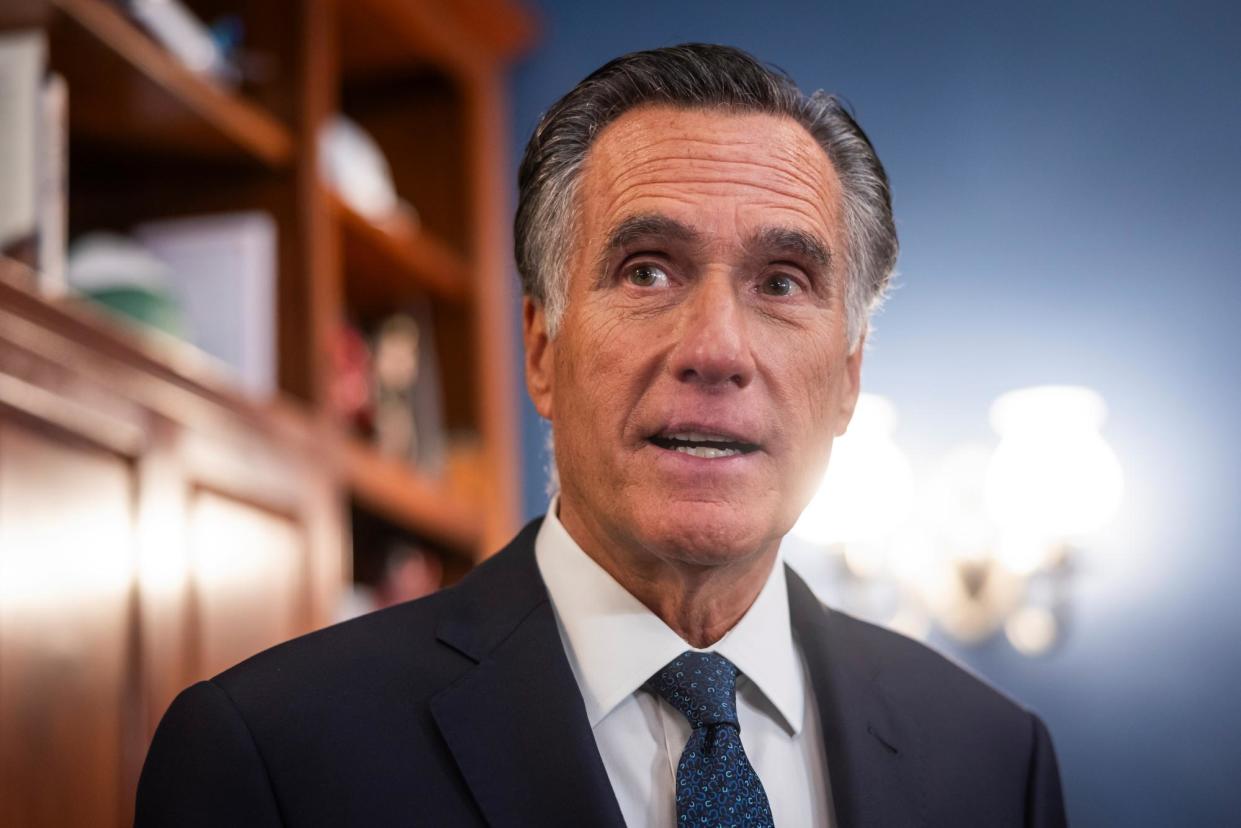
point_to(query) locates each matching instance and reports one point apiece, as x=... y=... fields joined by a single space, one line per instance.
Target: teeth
x=699 y=437
x=704 y=451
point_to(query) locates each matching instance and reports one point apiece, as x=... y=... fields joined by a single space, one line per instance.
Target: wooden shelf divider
x=127 y=90
x=394 y=489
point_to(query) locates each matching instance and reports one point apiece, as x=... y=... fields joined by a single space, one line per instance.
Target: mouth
x=708 y=445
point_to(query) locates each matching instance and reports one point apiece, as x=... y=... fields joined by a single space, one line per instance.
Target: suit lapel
x=873 y=757
x=516 y=723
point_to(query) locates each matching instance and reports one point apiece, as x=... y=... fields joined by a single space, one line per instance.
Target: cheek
x=594 y=372
x=813 y=446
x=811 y=381
x=810 y=374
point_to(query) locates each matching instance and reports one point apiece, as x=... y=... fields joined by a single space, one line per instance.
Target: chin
x=708 y=534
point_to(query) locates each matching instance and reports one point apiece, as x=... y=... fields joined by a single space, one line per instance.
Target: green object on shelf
x=150 y=307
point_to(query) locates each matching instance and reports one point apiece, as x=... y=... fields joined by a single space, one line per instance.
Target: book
x=430 y=454
x=53 y=185
x=23 y=59
x=223 y=274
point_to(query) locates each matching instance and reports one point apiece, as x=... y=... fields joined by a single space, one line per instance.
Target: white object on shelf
x=185 y=36
x=101 y=260
x=354 y=166
x=223 y=272
x=22 y=60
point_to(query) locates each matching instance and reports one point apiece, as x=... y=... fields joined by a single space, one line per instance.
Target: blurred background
x=260 y=363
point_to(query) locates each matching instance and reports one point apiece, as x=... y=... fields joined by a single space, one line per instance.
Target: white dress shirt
x=614 y=644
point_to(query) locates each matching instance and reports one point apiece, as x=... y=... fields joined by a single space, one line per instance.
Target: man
x=700 y=245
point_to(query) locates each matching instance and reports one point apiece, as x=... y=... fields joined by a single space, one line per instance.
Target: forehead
x=719 y=171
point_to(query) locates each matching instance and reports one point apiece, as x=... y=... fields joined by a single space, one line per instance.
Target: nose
x=713 y=346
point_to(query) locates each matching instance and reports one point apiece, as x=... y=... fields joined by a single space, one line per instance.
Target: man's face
x=702 y=366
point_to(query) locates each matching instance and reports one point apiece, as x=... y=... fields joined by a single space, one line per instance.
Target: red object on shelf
x=350 y=385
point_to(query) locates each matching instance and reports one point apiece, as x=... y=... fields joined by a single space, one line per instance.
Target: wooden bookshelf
x=128 y=92
x=156 y=122
x=148 y=137
x=219 y=524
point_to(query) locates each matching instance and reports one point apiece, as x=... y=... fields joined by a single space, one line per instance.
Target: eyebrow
x=798 y=242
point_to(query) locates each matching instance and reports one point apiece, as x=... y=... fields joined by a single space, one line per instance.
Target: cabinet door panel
x=66 y=569
x=249 y=578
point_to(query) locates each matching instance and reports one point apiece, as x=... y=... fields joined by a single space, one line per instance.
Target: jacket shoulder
x=410 y=645
x=919 y=675
x=335 y=727
x=937 y=707
x=393 y=644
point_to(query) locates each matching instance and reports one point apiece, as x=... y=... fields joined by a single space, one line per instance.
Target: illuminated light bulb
x=952 y=503
x=1025 y=554
x=1053 y=475
x=868 y=489
x=1032 y=630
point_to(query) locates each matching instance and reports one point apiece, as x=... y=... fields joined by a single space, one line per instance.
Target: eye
x=779 y=284
x=647 y=275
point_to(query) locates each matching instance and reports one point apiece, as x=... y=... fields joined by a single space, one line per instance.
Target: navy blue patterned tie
x=716 y=785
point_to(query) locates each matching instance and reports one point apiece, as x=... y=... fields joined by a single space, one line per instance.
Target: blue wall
x=1068 y=192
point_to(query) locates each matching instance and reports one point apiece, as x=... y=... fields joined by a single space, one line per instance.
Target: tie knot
x=702 y=686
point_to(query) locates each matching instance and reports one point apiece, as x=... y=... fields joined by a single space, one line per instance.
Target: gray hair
x=694 y=76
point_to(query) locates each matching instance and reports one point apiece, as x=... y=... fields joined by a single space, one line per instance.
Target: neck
x=700 y=602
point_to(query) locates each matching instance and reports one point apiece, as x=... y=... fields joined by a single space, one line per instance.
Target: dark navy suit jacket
x=461 y=709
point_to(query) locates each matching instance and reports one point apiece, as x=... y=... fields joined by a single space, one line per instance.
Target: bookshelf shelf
x=467 y=35
x=392 y=488
x=127 y=91
x=389 y=264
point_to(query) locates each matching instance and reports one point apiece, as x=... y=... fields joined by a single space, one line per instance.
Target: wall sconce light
x=985 y=542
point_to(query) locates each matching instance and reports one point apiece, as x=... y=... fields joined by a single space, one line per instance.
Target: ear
x=852 y=385
x=539 y=356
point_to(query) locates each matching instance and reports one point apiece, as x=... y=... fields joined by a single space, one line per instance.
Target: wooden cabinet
x=157 y=525
x=154 y=530
x=66 y=555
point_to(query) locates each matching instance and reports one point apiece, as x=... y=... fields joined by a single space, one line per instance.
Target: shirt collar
x=615 y=643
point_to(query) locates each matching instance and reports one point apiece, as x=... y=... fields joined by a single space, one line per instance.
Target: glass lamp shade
x=1053 y=476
